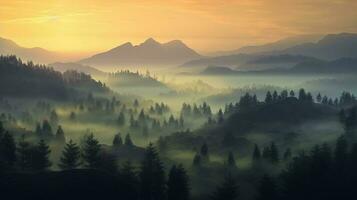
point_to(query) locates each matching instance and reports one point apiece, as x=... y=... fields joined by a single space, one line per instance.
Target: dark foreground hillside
x=73 y=184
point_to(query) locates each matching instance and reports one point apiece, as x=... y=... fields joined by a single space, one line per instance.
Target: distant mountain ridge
x=330 y=47
x=147 y=53
x=36 y=54
x=62 y=67
x=272 y=46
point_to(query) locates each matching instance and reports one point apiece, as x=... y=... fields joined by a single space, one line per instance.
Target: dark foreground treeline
x=324 y=172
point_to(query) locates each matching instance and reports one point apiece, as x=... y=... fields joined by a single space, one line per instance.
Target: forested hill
x=18 y=79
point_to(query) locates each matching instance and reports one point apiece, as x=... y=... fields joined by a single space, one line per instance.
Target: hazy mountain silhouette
x=150 y=52
x=273 y=46
x=312 y=66
x=330 y=47
x=35 y=54
x=62 y=67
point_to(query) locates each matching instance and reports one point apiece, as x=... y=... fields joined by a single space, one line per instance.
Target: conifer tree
x=60 y=138
x=227 y=191
x=152 y=176
x=268 y=98
x=90 y=151
x=178 y=184
x=117 y=141
x=7 y=151
x=23 y=153
x=231 y=160
x=267 y=189
x=40 y=157
x=70 y=156
x=128 y=141
x=220 y=118
x=197 y=160
x=256 y=153
x=204 y=152
x=287 y=154
x=274 y=153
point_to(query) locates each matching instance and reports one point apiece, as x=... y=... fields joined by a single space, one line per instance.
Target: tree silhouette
x=90 y=151
x=227 y=191
x=40 y=157
x=267 y=189
x=117 y=141
x=128 y=141
x=70 y=156
x=7 y=151
x=178 y=184
x=231 y=160
x=59 y=137
x=204 y=152
x=152 y=176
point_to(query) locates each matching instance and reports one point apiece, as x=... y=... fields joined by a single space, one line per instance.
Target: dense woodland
x=74 y=138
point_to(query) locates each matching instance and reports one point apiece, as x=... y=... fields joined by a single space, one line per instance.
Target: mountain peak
x=150 y=41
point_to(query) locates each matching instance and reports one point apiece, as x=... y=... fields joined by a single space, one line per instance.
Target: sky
x=204 y=25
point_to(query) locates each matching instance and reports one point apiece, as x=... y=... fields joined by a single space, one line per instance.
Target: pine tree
x=227 y=191
x=128 y=141
x=23 y=153
x=318 y=98
x=231 y=160
x=7 y=151
x=268 y=98
x=274 y=153
x=121 y=119
x=46 y=131
x=152 y=176
x=90 y=152
x=40 y=157
x=287 y=154
x=341 y=152
x=178 y=184
x=60 y=138
x=117 y=141
x=204 y=153
x=197 y=160
x=70 y=156
x=256 y=153
x=267 y=189
x=220 y=117
x=130 y=190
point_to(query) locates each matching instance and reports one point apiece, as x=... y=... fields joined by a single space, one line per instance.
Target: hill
x=18 y=79
x=62 y=67
x=147 y=53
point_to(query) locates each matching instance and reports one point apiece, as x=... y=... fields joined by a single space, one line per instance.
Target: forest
x=67 y=135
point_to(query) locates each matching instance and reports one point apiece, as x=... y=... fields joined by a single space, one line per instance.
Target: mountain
x=250 y=61
x=148 y=53
x=341 y=65
x=216 y=70
x=62 y=67
x=273 y=46
x=35 y=54
x=230 y=60
x=330 y=47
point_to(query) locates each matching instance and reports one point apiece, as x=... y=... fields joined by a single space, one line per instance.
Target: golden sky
x=205 y=25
